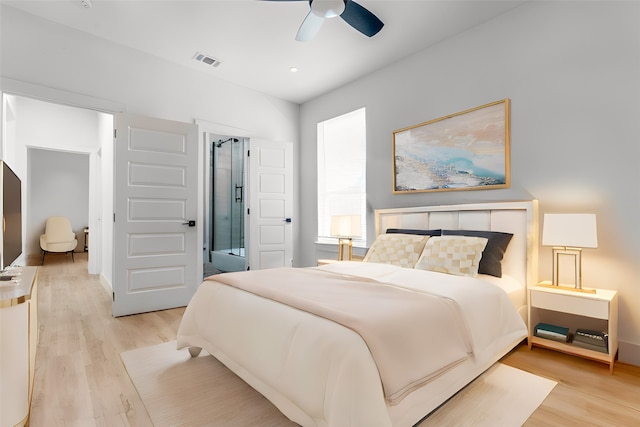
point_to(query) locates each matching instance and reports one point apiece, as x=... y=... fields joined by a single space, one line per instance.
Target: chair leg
x=43 y=252
x=72 y=258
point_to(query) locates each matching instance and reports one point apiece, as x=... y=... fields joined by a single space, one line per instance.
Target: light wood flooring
x=80 y=379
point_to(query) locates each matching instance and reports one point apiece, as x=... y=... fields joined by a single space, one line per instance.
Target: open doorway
x=267 y=196
x=59 y=152
x=227 y=222
x=58 y=186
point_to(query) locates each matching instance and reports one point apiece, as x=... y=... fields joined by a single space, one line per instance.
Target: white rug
x=501 y=397
x=180 y=391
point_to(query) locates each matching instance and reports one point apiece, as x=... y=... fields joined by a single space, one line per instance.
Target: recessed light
x=293 y=69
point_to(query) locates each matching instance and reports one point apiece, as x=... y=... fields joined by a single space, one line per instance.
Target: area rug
x=178 y=390
x=501 y=397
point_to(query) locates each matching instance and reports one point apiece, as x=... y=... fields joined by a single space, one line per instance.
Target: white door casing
x=156 y=254
x=270 y=204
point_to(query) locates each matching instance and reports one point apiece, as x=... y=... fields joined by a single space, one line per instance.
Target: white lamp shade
x=346 y=226
x=570 y=230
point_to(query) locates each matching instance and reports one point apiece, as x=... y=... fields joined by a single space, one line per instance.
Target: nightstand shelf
x=598 y=311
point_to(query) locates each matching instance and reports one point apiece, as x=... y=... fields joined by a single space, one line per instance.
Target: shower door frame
x=239 y=262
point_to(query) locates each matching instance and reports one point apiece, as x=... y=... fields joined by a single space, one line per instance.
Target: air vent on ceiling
x=206 y=59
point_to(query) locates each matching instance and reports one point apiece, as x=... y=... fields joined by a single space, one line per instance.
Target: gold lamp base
x=566 y=288
x=342 y=242
x=576 y=254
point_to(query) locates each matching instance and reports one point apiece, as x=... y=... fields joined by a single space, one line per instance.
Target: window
x=342 y=188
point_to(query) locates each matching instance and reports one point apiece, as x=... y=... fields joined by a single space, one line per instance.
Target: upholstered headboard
x=518 y=218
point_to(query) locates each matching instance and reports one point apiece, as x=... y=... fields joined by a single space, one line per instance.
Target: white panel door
x=155 y=197
x=271 y=204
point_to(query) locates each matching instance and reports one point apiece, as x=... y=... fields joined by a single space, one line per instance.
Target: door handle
x=190 y=223
x=239 y=199
x=287 y=220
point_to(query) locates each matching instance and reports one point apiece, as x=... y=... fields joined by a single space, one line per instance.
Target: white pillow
x=397 y=249
x=459 y=255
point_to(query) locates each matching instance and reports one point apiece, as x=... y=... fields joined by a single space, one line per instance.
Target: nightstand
x=573 y=309
x=331 y=261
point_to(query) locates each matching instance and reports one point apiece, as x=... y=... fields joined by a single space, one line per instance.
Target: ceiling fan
x=351 y=12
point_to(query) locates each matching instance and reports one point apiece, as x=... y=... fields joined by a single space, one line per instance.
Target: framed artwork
x=462 y=151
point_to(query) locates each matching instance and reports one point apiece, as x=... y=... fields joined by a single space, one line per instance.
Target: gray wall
x=572 y=72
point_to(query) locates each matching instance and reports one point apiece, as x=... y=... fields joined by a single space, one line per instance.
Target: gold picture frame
x=469 y=150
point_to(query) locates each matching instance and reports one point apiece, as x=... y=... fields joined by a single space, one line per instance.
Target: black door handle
x=190 y=223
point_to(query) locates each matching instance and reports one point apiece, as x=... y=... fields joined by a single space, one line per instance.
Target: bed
x=297 y=335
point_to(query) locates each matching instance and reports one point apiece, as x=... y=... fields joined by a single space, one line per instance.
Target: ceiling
x=255 y=40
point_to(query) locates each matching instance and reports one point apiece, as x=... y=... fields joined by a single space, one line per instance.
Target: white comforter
x=320 y=373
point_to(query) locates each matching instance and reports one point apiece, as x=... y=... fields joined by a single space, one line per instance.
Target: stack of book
x=593 y=340
x=552 y=332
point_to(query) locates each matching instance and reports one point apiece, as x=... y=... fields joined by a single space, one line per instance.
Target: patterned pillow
x=459 y=255
x=397 y=249
x=491 y=261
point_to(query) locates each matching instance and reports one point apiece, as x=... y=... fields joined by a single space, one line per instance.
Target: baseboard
x=629 y=353
x=106 y=285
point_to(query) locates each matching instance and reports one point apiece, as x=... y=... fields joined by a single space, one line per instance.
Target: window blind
x=342 y=172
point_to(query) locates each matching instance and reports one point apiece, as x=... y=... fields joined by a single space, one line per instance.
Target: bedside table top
x=600 y=294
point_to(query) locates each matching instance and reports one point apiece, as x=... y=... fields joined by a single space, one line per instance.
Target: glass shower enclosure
x=227 y=204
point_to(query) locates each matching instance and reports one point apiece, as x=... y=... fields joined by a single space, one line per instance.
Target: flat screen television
x=11 y=210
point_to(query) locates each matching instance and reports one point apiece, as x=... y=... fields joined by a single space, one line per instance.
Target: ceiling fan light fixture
x=357 y=16
x=327 y=8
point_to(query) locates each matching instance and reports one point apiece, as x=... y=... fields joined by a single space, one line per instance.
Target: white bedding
x=515 y=290
x=320 y=373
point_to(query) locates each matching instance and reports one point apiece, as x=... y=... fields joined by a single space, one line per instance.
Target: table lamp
x=345 y=228
x=568 y=234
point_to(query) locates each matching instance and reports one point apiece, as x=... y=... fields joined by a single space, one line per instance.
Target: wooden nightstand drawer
x=573 y=304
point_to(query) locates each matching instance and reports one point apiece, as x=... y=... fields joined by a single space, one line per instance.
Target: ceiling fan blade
x=361 y=19
x=309 y=27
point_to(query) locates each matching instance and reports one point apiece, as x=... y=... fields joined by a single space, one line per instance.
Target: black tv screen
x=11 y=217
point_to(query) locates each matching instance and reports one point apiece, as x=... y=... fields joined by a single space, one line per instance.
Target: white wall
x=50 y=146
x=572 y=72
x=43 y=59
x=103 y=208
x=38 y=51
x=55 y=147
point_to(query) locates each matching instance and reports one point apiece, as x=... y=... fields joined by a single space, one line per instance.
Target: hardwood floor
x=586 y=395
x=80 y=379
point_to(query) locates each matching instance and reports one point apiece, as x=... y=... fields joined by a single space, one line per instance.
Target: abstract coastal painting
x=462 y=151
